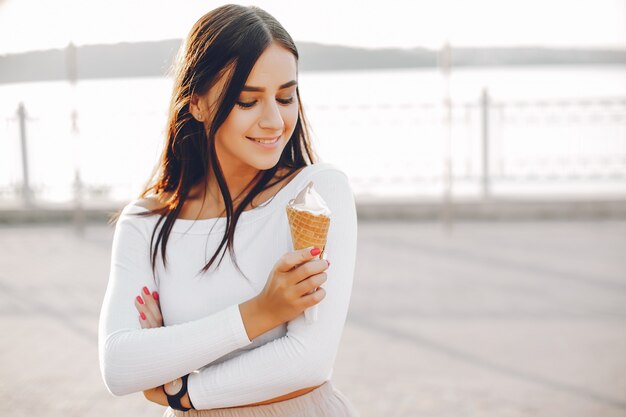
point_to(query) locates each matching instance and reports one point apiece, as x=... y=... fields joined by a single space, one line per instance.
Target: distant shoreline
x=155 y=58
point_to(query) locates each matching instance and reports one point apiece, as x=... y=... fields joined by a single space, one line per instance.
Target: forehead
x=275 y=66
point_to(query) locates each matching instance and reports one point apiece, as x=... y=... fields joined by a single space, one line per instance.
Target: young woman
x=227 y=336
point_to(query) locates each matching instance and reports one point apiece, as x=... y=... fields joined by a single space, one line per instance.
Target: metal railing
x=382 y=146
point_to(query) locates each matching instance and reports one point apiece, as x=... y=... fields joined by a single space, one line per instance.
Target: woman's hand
x=291 y=286
x=149 y=309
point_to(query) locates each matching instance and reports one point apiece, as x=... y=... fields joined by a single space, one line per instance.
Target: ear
x=195 y=108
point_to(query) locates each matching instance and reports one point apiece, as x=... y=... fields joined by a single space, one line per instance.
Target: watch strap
x=174 y=400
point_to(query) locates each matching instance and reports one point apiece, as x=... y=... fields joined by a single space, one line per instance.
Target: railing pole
x=486 y=191
x=72 y=76
x=445 y=64
x=27 y=194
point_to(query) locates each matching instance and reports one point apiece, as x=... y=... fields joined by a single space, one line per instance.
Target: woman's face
x=267 y=108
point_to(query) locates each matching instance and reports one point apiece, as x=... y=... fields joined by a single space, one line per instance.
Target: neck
x=237 y=182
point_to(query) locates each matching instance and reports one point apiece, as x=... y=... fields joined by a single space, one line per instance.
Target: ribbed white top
x=203 y=330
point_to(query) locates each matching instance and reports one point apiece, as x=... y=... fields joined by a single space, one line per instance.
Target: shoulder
x=322 y=167
x=325 y=172
x=153 y=202
x=149 y=203
x=137 y=211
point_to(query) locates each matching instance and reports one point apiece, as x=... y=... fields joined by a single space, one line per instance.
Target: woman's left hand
x=149 y=309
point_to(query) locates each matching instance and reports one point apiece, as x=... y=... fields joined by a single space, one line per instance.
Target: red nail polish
x=143 y=316
x=139 y=299
x=155 y=295
x=328 y=262
x=315 y=251
x=146 y=290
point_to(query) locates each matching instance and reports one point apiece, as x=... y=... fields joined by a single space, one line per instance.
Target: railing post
x=486 y=191
x=27 y=194
x=71 y=65
x=79 y=212
x=445 y=64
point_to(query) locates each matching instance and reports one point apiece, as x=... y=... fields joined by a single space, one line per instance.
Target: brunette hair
x=226 y=41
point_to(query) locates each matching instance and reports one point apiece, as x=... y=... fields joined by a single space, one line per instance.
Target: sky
x=44 y=24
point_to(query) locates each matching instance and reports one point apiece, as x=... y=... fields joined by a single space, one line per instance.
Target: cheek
x=238 y=122
x=290 y=115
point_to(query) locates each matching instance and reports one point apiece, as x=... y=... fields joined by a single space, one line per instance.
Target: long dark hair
x=227 y=41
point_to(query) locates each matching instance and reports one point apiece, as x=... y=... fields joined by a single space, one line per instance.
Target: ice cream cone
x=309 y=221
x=308 y=229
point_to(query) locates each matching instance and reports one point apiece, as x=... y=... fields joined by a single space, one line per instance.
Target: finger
x=306 y=270
x=310 y=284
x=144 y=323
x=313 y=298
x=151 y=304
x=155 y=307
x=144 y=320
x=292 y=259
x=155 y=296
x=150 y=321
x=145 y=315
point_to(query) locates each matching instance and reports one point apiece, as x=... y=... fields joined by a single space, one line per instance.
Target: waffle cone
x=308 y=229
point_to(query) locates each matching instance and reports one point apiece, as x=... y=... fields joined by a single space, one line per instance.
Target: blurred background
x=485 y=142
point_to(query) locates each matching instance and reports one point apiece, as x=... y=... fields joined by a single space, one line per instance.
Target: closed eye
x=252 y=103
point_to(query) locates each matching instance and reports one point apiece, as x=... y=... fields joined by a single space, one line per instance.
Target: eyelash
x=249 y=105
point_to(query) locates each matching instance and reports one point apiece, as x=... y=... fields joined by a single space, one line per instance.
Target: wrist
x=177 y=394
x=185 y=401
x=256 y=319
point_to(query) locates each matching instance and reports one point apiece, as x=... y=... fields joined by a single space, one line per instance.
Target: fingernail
x=146 y=290
x=315 y=251
x=139 y=299
x=328 y=262
x=155 y=295
x=143 y=316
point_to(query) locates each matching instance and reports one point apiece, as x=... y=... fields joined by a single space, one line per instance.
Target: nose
x=271 y=118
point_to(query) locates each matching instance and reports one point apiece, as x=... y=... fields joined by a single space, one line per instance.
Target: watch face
x=174 y=387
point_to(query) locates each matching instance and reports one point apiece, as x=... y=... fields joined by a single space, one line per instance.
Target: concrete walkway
x=491 y=319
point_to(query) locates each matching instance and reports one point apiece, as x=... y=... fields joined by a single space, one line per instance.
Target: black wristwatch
x=179 y=388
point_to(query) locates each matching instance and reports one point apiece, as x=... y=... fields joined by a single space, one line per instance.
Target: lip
x=266 y=145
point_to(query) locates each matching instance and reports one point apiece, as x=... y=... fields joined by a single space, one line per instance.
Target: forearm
x=256 y=320
x=130 y=362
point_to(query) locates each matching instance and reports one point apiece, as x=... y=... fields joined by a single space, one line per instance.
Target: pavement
x=523 y=318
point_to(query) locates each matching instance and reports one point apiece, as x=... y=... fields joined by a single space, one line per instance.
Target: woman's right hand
x=294 y=276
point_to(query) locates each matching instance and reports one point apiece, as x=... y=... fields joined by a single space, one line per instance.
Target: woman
x=228 y=337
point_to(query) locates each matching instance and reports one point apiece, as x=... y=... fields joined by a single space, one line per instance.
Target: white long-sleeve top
x=203 y=332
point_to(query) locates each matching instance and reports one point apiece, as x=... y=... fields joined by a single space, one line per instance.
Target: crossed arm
x=301 y=359
x=149 y=308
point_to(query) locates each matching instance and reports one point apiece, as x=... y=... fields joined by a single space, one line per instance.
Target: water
x=384 y=128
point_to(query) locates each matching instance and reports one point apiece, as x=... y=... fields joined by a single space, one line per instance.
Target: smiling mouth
x=266 y=141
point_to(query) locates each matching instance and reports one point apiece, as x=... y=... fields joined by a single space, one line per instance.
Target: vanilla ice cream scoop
x=309 y=200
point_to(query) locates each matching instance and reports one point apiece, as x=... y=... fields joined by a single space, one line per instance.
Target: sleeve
x=133 y=359
x=304 y=357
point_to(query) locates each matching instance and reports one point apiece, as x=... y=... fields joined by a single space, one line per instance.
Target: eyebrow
x=261 y=89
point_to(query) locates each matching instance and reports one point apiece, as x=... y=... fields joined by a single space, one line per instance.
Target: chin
x=262 y=163
x=264 y=166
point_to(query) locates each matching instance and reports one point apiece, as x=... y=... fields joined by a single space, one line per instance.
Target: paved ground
x=493 y=319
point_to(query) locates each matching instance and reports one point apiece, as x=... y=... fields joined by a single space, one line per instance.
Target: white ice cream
x=309 y=200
